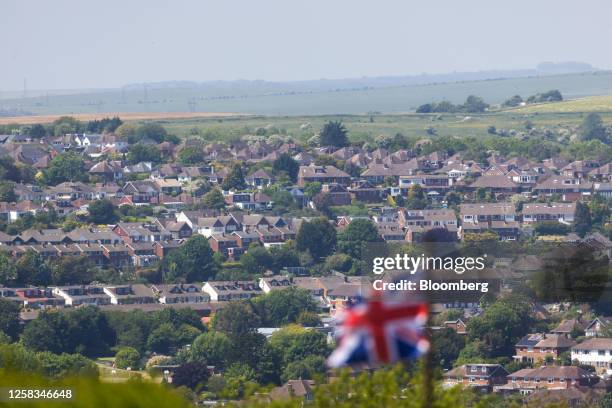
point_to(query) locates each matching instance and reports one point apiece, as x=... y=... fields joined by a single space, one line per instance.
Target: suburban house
x=83 y=295
x=208 y=226
x=560 y=212
x=535 y=348
x=231 y=290
x=129 y=294
x=268 y=284
x=226 y=244
x=260 y=178
x=483 y=376
x=529 y=380
x=338 y=194
x=596 y=352
x=430 y=182
x=498 y=217
x=596 y=326
x=569 y=188
x=487 y=212
x=322 y=174
x=179 y=293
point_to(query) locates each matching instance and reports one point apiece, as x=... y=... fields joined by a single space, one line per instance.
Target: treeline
x=553 y=95
x=64 y=125
x=32 y=269
x=475 y=104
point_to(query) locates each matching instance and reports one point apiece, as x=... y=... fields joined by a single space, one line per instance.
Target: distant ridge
x=316 y=85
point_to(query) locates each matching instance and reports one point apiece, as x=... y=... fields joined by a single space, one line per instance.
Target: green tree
x=102 y=212
x=446 y=346
x=8 y=270
x=236 y=319
x=71 y=270
x=192 y=262
x=501 y=325
x=9 y=318
x=192 y=375
x=214 y=199
x=305 y=369
x=356 y=235
x=144 y=153
x=295 y=343
x=191 y=155
x=66 y=365
x=84 y=330
x=151 y=131
x=600 y=210
x=514 y=101
x=65 y=167
x=32 y=269
x=7 y=192
x=257 y=260
x=281 y=307
x=66 y=124
x=582 y=219
x=127 y=357
x=284 y=256
x=592 y=127
x=162 y=339
x=312 y=188
x=8 y=169
x=322 y=203
x=235 y=178
x=475 y=104
x=317 y=237
x=416 y=200
x=37 y=131
x=285 y=163
x=212 y=347
x=334 y=134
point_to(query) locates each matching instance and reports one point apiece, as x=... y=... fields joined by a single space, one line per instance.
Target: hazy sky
x=63 y=44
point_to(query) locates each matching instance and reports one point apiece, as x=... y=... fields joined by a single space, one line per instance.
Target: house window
x=601 y=352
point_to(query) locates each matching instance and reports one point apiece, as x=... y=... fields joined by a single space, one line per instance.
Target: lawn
x=116 y=375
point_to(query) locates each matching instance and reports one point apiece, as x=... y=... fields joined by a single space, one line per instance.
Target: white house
x=82 y=295
x=560 y=212
x=596 y=352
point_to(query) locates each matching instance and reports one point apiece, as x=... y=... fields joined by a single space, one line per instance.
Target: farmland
x=296 y=99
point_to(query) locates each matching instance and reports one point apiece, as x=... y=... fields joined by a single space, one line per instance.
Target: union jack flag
x=380 y=331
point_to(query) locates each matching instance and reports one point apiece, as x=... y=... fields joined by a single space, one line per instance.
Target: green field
x=368 y=127
x=590 y=104
x=268 y=100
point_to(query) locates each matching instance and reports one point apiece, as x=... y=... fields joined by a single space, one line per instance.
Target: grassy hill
x=304 y=101
x=589 y=104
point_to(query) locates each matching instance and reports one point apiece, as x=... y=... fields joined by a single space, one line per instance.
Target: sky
x=72 y=44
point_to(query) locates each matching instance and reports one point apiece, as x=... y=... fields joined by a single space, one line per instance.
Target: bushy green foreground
x=89 y=393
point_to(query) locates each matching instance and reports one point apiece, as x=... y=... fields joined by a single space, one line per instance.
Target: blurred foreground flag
x=380 y=331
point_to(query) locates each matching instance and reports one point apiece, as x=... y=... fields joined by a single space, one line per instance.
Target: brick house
x=529 y=380
x=483 y=376
x=535 y=348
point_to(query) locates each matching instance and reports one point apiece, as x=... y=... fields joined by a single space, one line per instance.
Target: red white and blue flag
x=381 y=331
